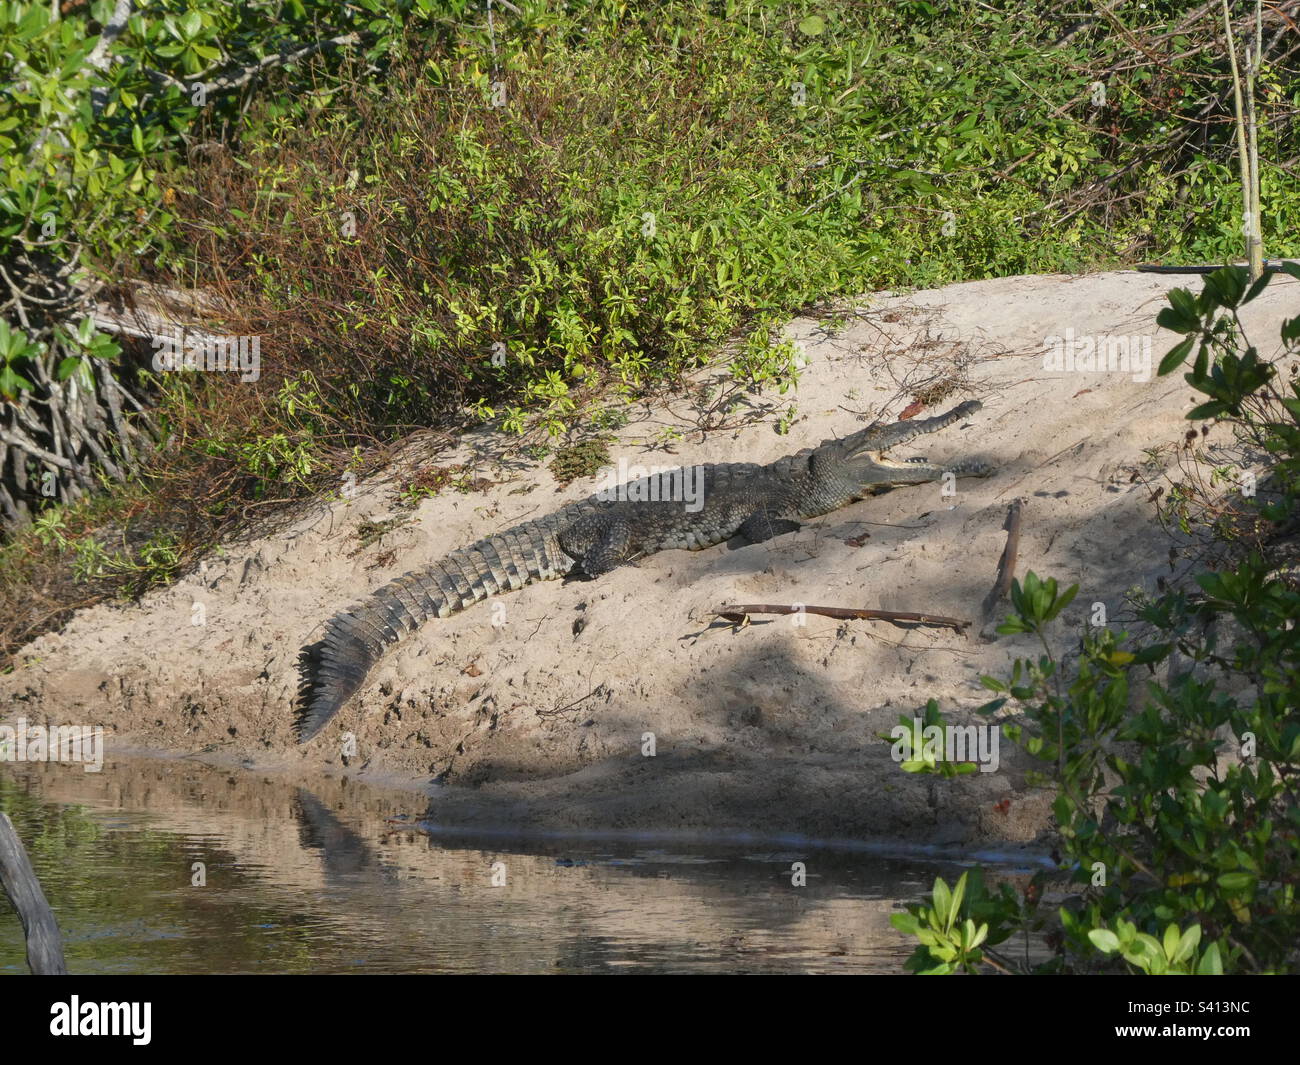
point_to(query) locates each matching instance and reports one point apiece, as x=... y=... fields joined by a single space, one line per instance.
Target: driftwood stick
x=1007 y=563
x=44 y=944
x=738 y=612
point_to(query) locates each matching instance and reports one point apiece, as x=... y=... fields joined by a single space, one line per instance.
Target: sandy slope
x=539 y=719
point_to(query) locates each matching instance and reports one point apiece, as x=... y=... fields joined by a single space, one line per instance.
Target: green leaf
x=11 y=382
x=1211 y=963
x=1227 y=285
x=1236 y=883
x=1182 y=315
x=1186 y=946
x=1260 y=284
x=1155 y=653
x=1175 y=356
x=1170 y=944
x=958 y=893
x=1207 y=410
x=1104 y=940
x=1062 y=601
x=942 y=899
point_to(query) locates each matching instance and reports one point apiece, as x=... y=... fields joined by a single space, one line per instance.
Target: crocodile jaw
x=876 y=470
x=884 y=461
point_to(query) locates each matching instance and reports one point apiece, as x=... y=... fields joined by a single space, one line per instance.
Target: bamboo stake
x=1249 y=194
x=1255 y=244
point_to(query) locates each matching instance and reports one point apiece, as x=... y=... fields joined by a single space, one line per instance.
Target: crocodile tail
x=353 y=642
x=356 y=639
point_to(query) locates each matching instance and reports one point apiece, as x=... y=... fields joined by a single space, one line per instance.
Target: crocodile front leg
x=600 y=542
x=761 y=526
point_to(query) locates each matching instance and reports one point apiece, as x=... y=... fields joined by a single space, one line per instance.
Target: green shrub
x=1180 y=822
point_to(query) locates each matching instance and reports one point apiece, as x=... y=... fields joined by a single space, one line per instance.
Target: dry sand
x=539 y=719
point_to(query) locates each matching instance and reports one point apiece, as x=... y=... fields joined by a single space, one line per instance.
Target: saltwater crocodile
x=595 y=535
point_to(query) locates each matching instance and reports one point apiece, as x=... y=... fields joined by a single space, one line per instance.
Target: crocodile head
x=862 y=463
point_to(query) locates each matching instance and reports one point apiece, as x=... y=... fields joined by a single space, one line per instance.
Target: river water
x=170 y=866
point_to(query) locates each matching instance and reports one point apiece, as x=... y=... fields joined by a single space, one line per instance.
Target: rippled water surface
x=175 y=867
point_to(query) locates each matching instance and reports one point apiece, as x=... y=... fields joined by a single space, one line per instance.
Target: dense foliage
x=1176 y=756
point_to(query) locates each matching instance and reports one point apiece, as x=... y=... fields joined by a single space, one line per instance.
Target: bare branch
x=240 y=76
x=738 y=614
